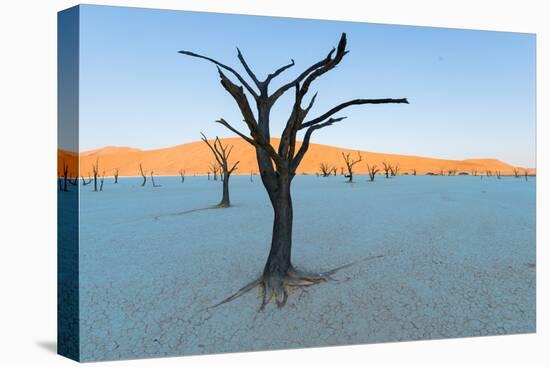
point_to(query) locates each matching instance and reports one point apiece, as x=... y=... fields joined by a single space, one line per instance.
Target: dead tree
x=497 y=173
x=95 y=171
x=525 y=174
x=278 y=165
x=84 y=182
x=153 y=180
x=325 y=169
x=441 y=172
x=373 y=170
x=387 y=168
x=474 y=172
x=221 y=154
x=251 y=174
x=115 y=174
x=516 y=172
x=143 y=175
x=182 y=175
x=101 y=181
x=394 y=170
x=63 y=187
x=350 y=162
x=214 y=169
x=451 y=172
x=488 y=173
x=413 y=171
x=334 y=171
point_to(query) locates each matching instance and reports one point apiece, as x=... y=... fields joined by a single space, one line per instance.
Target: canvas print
x=232 y=183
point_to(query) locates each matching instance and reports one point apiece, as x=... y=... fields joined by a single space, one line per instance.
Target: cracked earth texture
x=458 y=260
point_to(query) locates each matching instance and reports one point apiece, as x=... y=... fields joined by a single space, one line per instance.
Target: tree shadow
x=48 y=345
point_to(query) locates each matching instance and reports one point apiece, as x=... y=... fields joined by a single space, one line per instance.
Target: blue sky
x=471 y=93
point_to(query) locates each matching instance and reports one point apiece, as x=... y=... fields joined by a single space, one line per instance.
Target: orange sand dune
x=195 y=158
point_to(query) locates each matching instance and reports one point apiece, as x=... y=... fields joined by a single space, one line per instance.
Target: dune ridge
x=195 y=159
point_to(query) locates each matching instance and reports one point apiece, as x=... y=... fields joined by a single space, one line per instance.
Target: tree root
x=277 y=287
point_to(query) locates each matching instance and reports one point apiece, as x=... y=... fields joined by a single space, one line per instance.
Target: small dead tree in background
x=251 y=174
x=525 y=174
x=334 y=170
x=153 y=179
x=488 y=173
x=84 y=182
x=373 y=170
x=65 y=177
x=102 y=178
x=182 y=175
x=413 y=171
x=441 y=172
x=497 y=173
x=222 y=153
x=516 y=172
x=115 y=174
x=474 y=172
x=143 y=175
x=350 y=162
x=387 y=169
x=325 y=169
x=95 y=171
x=214 y=168
x=394 y=170
x=451 y=172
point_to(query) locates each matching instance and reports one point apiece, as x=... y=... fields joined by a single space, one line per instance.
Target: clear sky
x=471 y=93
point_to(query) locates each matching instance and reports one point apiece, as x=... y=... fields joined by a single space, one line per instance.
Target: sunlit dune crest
x=195 y=158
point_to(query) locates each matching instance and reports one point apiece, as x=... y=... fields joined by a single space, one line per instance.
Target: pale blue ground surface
x=459 y=260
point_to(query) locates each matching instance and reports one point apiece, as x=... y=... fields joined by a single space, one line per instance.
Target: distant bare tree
x=451 y=172
x=153 y=180
x=102 y=178
x=525 y=174
x=222 y=153
x=325 y=169
x=63 y=187
x=95 y=171
x=413 y=171
x=497 y=173
x=387 y=168
x=341 y=171
x=350 y=162
x=372 y=170
x=394 y=170
x=84 y=182
x=334 y=170
x=474 y=172
x=488 y=173
x=251 y=174
x=516 y=172
x=115 y=174
x=442 y=172
x=182 y=175
x=143 y=175
x=214 y=169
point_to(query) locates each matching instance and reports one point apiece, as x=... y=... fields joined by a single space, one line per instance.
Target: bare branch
x=248 y=70
x=223 y=66
x=279 y=92
x=307 y=137
x=341 y=106
x=278 y=71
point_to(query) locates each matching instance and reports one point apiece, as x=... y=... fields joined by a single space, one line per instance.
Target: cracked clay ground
x=458 y=260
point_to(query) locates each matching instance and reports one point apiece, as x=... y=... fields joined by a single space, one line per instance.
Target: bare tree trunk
x=278 y=262
x=142 y=175
x=225 y=195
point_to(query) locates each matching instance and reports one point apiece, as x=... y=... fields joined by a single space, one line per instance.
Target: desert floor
x=458 y=259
